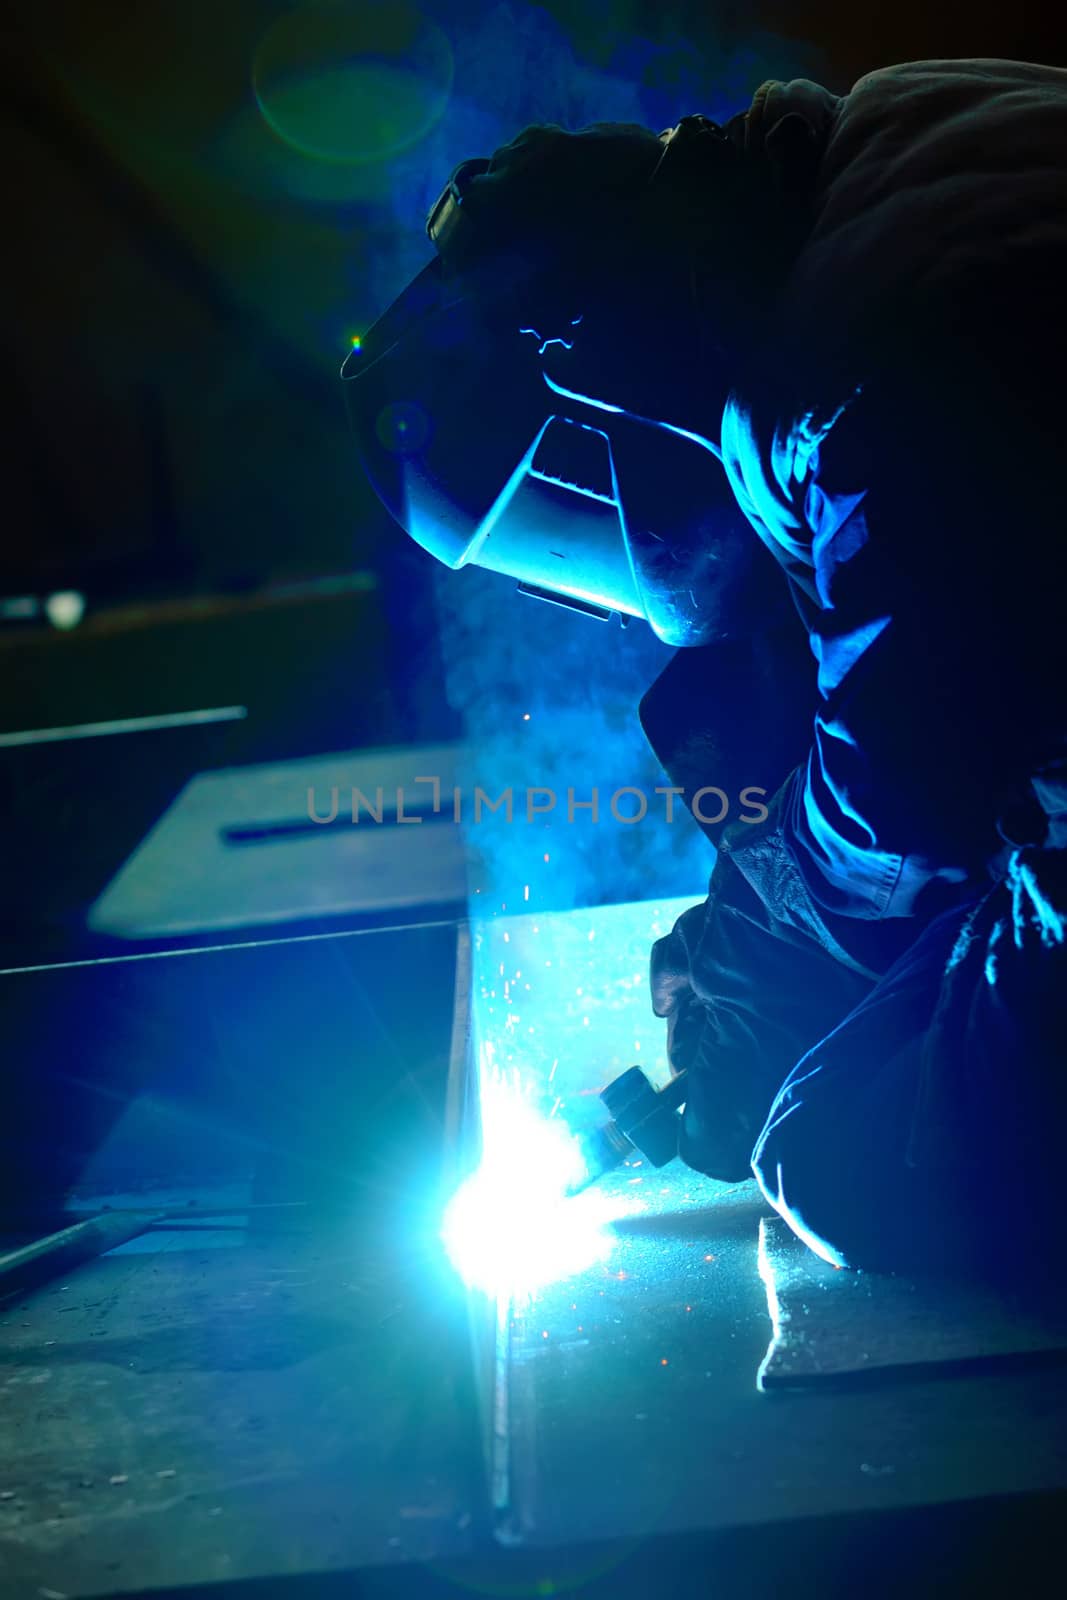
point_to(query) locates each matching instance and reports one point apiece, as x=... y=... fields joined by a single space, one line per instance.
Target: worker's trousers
x=927 y=1128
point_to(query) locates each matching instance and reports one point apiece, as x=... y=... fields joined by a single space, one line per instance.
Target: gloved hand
x=719 y=1122
x=745 y=997
x=674 y=995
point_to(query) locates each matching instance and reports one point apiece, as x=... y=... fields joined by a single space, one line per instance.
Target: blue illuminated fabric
x=895 y=446
x=877 y=977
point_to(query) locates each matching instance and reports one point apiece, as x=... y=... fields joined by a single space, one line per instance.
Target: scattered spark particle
x=544 y=1334
x=592 y=933
x=536 y=928
x=556 y=1107
x=689 y=1308
x=526 y=891
x=620 y=1276
x=507 y=938
x=586 y=1021
x=635 y=1180
x=574 y=1305
x=709 y=1258
x=577 y=991
x=547 y=856
x=637 y=1044
x=635 y=1163
x=580 y=1328
x=357 y=342
x=526 y=985
x=526 y=716
x=663 y=1361
x=552 y=1074
x=501 y=969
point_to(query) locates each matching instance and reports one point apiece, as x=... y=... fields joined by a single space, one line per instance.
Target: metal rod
x=53 y=1254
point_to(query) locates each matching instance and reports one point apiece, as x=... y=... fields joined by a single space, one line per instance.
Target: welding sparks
x=511 y=1228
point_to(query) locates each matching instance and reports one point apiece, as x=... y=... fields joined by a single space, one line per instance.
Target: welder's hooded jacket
x=896 y=440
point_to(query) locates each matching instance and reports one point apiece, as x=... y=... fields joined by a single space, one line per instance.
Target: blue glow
x=576 y=488
x=511 y=1228
x=995 y=937
x=621 y=411
x=1032 y=907
x=814 y=1241
x=560 y=1007
x=121 y=725
x=501 y=503
x=568 y=344
x=774 y=1305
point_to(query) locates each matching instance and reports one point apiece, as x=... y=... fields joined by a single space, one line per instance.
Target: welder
x=792 y=389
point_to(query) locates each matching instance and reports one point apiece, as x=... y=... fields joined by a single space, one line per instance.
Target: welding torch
x=642 y=1121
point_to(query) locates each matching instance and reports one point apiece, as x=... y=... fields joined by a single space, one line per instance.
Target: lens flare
x=511 y=1228
x=352 y=84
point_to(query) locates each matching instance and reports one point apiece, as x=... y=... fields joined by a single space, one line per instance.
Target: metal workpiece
x=256 y=1400
x=526 y=1062
x=487 y=1314
x=256 y=1388
x=624 y=1392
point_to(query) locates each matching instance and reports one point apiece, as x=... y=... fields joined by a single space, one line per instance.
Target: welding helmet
x=543 y=400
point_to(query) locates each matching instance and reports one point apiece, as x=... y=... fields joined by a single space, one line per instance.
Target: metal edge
x=489 y=1321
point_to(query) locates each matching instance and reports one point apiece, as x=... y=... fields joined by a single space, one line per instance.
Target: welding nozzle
x=644 y=1121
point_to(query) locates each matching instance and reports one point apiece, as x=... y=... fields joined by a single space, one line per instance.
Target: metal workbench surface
x=264 y=1401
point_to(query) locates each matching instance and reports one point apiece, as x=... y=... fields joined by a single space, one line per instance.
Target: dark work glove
x=674 y=996
x=719 y=1128
x=744 y=998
